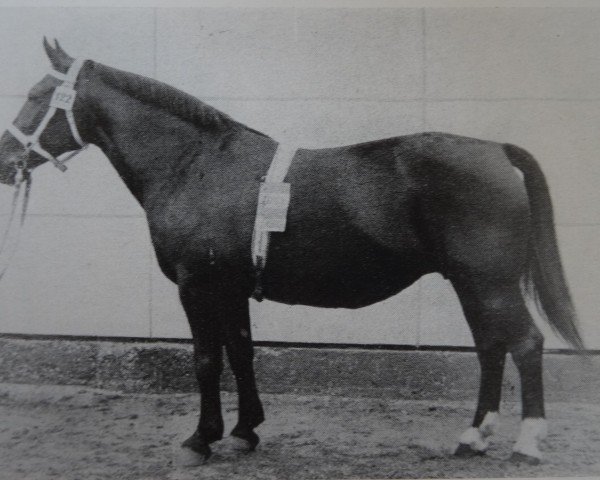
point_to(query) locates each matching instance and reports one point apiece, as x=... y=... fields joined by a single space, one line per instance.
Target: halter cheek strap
x=63 y=98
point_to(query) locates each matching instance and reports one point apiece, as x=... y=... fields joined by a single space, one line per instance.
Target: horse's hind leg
x=491 y=348
x=500 y=321
x=526 y=351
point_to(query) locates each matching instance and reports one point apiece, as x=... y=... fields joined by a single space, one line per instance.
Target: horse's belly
x=336 y=297
x=350 y=276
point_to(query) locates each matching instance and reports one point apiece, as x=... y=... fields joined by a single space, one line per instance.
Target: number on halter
x=63 y=98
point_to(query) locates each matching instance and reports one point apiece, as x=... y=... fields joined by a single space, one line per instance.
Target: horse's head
x=45 y=128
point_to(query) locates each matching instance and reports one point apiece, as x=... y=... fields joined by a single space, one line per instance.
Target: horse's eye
x=35 y=95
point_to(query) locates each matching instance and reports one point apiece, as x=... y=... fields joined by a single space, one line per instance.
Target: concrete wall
x=157 y=367
x=315 y=77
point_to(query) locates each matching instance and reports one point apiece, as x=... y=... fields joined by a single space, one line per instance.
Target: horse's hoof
x=518 y=457
x=186 y=457
x=193 y=452
x=233 y=445
x=248 y=436
x=464 y=450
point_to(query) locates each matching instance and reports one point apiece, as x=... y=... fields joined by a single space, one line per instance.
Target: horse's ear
x=48 y=48
x=59 y=49
x=58 y=57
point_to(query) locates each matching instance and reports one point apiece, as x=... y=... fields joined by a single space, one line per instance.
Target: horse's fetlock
x=489 y=425
x=474 y=439
x=533 y=431
x=211 y=432
x=260 y=418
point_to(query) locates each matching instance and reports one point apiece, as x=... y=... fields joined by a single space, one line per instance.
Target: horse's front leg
x=206 y=314
x=240 y=351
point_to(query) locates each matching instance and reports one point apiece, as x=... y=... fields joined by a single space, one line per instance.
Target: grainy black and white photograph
x=320 y=240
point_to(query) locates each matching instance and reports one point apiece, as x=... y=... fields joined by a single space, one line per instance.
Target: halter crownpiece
x=63 y=98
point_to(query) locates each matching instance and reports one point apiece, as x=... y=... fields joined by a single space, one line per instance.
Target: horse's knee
x=207 y=363
x=207 y=366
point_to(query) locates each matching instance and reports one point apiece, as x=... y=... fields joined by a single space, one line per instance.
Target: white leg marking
x=472 y=437
x=477 y=438
x=533 y=430
x=490 y=424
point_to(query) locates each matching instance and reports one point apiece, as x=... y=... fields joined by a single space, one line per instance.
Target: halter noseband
x=63 y=98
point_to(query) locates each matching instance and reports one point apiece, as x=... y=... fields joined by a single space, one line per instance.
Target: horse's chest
x=200 y=229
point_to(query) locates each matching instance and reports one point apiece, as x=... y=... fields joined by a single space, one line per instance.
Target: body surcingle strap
x=271 y=213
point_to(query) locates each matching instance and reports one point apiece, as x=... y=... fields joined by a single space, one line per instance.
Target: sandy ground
x=50 y=432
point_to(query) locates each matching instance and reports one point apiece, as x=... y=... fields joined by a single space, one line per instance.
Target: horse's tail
x=544 y=279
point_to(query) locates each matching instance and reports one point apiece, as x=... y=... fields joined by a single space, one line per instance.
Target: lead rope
x=23 y=177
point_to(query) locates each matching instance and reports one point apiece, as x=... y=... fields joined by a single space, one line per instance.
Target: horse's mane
x=171 y=99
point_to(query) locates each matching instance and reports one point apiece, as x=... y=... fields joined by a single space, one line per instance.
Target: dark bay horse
x=365 y=221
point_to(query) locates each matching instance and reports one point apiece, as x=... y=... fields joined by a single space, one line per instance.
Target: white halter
x=63 y=98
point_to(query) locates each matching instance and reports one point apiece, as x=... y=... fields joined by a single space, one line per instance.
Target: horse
x=364 y=222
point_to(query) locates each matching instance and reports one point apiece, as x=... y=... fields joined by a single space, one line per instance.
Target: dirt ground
x=58 y=432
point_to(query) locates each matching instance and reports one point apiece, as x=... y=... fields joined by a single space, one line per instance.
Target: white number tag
x=273 y=203
x=63 y=97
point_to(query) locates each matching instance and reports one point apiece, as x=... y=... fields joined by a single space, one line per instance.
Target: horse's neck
x=153 y=151
x=142 y=152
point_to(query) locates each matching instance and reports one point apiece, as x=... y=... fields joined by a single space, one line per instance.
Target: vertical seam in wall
x=150 y=290
x=424 y=68
x=419 y=318
x=295 y=27
x=154 y=41
x=150 y=252
x=419 y=310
